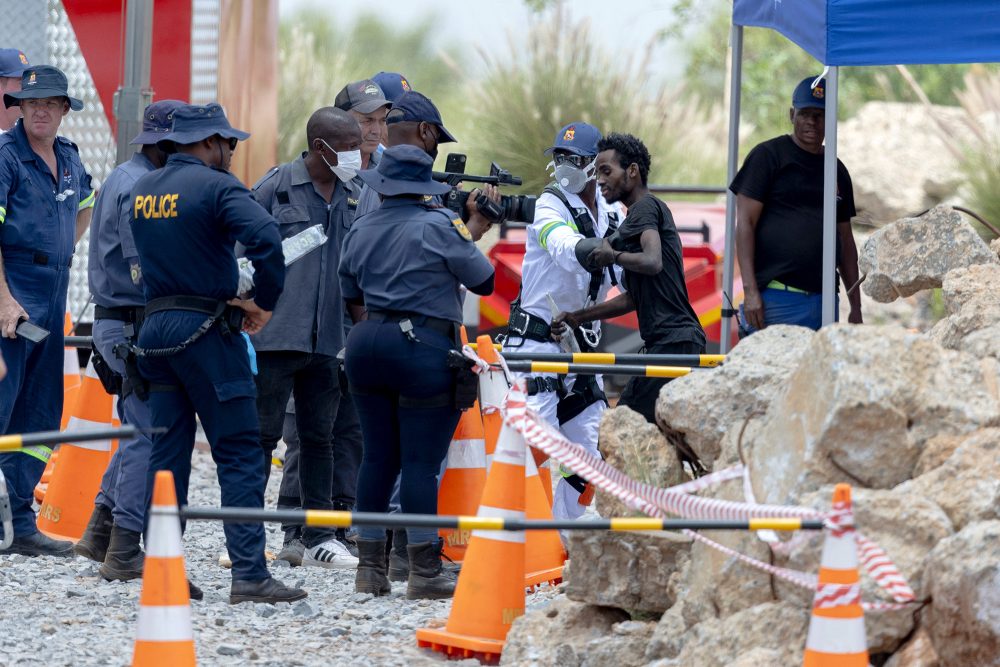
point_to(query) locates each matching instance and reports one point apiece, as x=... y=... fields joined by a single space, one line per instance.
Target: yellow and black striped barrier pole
x=17 y=441
x=591 y=369
x=397 y=520
x=692 y=360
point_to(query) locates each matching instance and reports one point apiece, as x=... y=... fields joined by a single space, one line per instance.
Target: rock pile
x=911 y=420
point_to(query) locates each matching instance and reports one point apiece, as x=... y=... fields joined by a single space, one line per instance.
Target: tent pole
x=830 y=200
x=732 y=156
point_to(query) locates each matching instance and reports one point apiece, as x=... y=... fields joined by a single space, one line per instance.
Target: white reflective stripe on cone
x=164 y=533
x=485 y=511
x=91 y=372
x=164 y=624
x=77 y=424
x=840 y=553
x=467 y=453
x=71 y=362
x=836 y=636
x=510 y=447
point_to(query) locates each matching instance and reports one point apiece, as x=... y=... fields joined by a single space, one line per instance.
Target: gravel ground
x=60 y=612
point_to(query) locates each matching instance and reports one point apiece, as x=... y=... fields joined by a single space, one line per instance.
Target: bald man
x=298 y=347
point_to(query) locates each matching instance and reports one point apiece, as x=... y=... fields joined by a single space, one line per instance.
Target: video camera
x=516 y=208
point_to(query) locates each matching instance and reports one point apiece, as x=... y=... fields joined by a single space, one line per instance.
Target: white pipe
x=732 y=157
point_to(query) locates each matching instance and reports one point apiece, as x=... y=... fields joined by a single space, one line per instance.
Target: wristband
x=617 y=255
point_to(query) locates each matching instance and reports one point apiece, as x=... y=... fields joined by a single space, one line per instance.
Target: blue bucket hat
x=157 y=120
x=415 y=107
x=39 y=82
x=194 y=122
x=576 y=138
x=807 y=97
x=393 y=84
x=13 y=62
x=404 y=170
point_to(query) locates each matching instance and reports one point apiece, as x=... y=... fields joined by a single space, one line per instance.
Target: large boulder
x=972 y=297
x=967 y=485
x=699 y=407
x=637 y=448
x=562 y=632
x=860 y=407
x=914 y=254
x=963 y=578
x=634 y=571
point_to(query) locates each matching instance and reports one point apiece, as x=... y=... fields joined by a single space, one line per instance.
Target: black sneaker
x=194 y=592
x=38 y=544
x=268 y=591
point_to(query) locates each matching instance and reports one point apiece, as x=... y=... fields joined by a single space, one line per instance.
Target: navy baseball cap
x=404 y=170
x=39 y=82
x=194 y=122
x=393 y=84
x=415 y=107
x=807 y=97
x=157 y=120
x=363 y=96
x=576 y=138
x=13 y=62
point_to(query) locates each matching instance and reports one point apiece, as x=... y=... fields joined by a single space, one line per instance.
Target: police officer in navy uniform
x=187 y=218
x=115 y=279
x=406 y=263
x=45 y=205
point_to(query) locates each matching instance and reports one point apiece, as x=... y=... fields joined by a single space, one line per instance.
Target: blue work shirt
x=186 y=220
x=310 y=314
x=409 y=257
x=113 y=269
x=38 y=209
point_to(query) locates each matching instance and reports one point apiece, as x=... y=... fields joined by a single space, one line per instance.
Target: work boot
x=94 y=543
x=125 y=556
x=267 y=591
x=38 y=544
x=399 y=561
x=194 y=592
x=370 y=577
x=428 y=579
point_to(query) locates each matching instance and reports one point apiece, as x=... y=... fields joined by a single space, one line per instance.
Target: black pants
x=641 y=392
x=317 y=396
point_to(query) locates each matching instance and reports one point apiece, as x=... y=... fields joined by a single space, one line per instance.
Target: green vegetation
x=981 y=102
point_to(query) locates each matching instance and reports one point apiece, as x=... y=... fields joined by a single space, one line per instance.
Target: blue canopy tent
x=853 y=33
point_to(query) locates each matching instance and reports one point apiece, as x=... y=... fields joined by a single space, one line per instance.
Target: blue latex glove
x=252 y=353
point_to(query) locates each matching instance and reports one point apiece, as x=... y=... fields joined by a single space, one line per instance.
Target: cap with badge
x=157 y=121
x=39 y=82
x=363 y=96
x=808 y=97
x=393 y=84
x=404 y=170
x=195 y=122
x=415 y=107
x=576 y=138
x=13 y=62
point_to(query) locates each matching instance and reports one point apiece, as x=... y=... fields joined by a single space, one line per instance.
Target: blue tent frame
x=853 y=33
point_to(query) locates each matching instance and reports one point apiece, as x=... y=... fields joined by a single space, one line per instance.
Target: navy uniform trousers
x=31 y=396
x=212 y=379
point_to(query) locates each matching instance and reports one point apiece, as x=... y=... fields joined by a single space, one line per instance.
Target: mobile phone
x=455 y=163
x=32 y=332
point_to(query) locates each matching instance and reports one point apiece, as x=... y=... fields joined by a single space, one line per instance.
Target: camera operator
x=569 y=213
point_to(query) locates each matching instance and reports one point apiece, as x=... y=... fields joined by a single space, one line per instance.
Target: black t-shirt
x=789 y=236
x=661 y=301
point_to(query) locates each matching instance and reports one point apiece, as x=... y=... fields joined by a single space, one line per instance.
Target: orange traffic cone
x=163 y=634
x=490 y=590
x=463 y=479
x=71 y=389
x=544 y=555
x=492 y=390
x=837 y=627
x=544 y=465
x=69 y=499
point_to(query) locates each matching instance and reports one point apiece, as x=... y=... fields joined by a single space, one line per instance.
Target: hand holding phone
x=32 y=332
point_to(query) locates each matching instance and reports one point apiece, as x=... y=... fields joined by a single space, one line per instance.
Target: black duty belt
x=196 y=304
x=442 y=326
x=131 y=314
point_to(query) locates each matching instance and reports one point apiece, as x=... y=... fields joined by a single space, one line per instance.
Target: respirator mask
x=573 y=172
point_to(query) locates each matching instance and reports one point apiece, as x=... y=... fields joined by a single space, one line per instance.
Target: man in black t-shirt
x=648 y=248
x=779 y=222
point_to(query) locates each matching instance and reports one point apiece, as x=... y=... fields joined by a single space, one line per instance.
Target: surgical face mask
x=348 y=163
x=572 y=178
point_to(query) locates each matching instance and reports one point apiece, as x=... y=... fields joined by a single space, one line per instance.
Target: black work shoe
x=125 y=557
x=194 y=592
x=268 y=591
x=38 y=544
x=428 y=579
x=399 y=562
x=370 y=577
x=94 y=543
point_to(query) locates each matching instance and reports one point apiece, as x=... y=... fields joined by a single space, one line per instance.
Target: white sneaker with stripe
x=330 y=554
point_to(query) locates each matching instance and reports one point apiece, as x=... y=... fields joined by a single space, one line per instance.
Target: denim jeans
x=786 y=307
